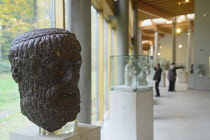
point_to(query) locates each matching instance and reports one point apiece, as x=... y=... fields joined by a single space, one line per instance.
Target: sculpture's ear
x=16 y=71
x=15 y=75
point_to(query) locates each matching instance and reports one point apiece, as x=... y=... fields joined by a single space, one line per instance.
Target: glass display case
x=132 y=73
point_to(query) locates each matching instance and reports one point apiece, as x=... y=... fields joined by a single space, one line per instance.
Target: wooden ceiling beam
x=189 y=24
x=159 y=29
x=147 y=38
x=146 y=28
x=164 y=30
x=98 y=4
x=108 y=7
x=154 y=25
x=170 y=25
x=151 y=35
x=153 y=11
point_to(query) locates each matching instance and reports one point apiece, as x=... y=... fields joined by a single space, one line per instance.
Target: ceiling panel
x=168 y=9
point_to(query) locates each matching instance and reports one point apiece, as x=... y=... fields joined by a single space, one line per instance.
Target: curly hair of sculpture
x=46 y=65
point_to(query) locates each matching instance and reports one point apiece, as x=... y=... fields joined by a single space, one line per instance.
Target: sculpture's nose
x=68 y=75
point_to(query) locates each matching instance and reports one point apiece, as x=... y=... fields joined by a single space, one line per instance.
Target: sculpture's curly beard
x=52 y=110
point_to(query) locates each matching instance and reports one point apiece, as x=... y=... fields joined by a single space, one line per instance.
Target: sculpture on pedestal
x=142 y=78
x=128 y=75
x=46 y=65
x=136 y=73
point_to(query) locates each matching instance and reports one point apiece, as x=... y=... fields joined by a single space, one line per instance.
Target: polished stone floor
x=180 y=115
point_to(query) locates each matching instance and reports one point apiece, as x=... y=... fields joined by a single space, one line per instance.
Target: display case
x=132 y=73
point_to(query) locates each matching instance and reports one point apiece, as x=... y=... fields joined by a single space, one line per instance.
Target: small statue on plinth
x=128 y=74
x=46 y=65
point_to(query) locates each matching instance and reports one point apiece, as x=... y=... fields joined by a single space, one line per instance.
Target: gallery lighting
x=178 y=30
x=184 y=2
x=168 y=22
x=180 y=46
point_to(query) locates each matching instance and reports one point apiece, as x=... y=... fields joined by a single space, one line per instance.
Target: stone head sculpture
x=46 y=65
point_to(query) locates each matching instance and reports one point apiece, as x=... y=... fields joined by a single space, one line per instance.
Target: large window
x=17 y=17
x=94 y=64
x=106 y=79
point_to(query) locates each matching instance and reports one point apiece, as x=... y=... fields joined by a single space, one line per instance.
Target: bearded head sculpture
x=46 y=65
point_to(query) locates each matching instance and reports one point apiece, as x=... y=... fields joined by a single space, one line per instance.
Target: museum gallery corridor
x=180 y=115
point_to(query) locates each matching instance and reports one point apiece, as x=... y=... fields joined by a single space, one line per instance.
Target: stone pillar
x=189 y=50
x=151 y=50
x=156 y=48
x=174 y=42
x=78 y=21
x=140 y=46
x=135 y=30
x=122 y=38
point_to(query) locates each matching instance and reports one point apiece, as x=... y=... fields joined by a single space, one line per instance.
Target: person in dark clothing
x=172 y=76
x=157 y=78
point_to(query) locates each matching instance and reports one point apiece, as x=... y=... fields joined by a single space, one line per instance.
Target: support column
x=122 y=37
x=174 y=42
x=79 y=22
x=151 y=50
x=135 y=29
x=156 y=48
x=122 y=27
x=140 y=46
x=189 y=50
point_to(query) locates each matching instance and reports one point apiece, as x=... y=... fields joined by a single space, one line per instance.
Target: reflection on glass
x=131 y=73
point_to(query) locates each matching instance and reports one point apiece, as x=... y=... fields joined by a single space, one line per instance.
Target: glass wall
x=102 y=47
x=17 y=17
x=94 y=65
x=106 y=89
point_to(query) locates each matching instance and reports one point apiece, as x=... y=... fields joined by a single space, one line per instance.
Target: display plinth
x=163 y=80
x=131 y=115
x=83 y=132
x=182 y=76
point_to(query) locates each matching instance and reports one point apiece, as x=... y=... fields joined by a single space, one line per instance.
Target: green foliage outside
x=17 y=17
x=10 y=116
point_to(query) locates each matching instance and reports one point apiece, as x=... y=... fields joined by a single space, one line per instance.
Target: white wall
x=202 y=45
x=181 y=53
x=166 y=50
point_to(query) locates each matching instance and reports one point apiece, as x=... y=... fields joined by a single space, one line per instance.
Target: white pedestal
x=131 y=115
x=84 y=132
x=182 y=76
x=163 y=80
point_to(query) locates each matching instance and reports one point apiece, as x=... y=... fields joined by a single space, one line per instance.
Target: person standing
x=172 y=76
x=157 y=78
